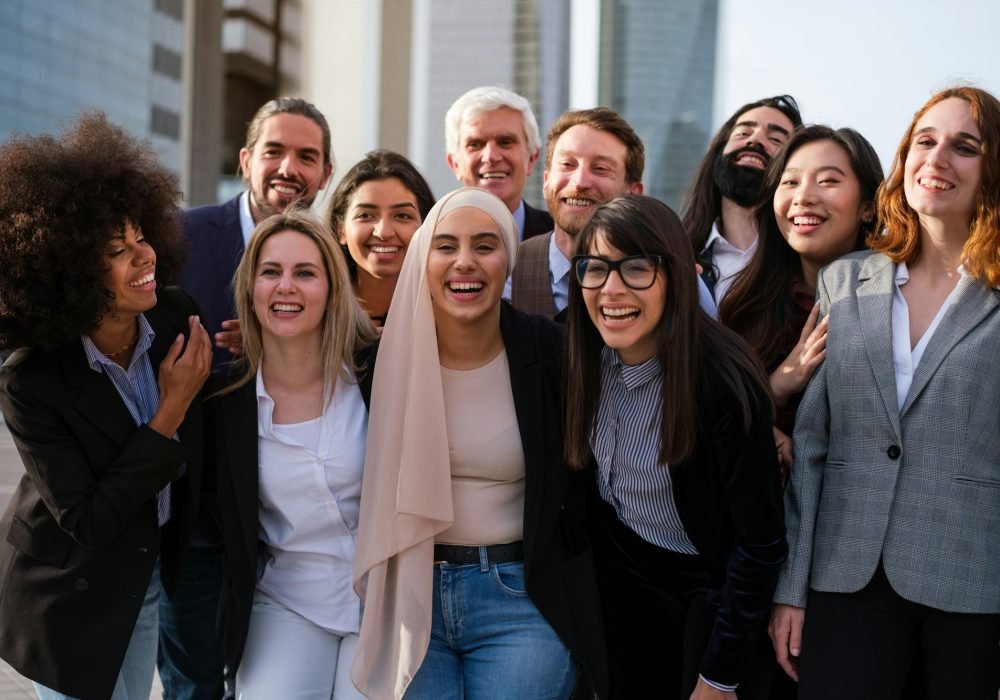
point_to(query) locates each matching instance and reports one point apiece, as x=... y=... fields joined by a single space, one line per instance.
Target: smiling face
x=493 y=154
x=754 y=139
x=818 y=204
x=380 y=221
x=586 y=170
x=286 y=164
x=291 y=288
x=943 y=169
x=466 y=266
x=131 y=272
x=627 y=319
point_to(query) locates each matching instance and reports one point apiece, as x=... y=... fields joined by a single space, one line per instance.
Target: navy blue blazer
x=536 y=222
x=216 y=246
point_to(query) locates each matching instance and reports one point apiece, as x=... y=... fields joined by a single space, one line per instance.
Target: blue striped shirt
x=626 y=442
x=137 y=388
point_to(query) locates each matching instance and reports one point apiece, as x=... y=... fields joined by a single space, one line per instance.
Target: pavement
x=12 y=685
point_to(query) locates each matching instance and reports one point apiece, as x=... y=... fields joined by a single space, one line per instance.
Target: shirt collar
x=559 y=264
x=96 y=359
x=903 y=273
x=633 y=376
x=713 y=236
x=246 y=218
x=519 y=215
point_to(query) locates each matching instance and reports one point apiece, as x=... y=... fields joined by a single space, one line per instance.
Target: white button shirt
x=309 y=503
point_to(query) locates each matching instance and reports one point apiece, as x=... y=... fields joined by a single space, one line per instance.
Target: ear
x=868 y=212
x=635 y=188
x=341 y=236
x=453 y=164
x=245 y=164
x=532 y=159
x=327 y=173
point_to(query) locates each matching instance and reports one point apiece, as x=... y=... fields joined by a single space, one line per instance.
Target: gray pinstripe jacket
x=918 y=487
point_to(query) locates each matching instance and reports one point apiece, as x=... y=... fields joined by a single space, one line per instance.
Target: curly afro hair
x=62 y=199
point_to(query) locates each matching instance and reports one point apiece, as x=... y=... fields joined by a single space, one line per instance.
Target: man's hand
x=785 y=631
x=230 y=337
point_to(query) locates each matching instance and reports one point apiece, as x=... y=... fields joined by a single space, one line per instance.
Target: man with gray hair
x=492 y=141
x=287 y=159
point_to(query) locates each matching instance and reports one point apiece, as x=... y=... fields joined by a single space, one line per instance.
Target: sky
x=866 y=64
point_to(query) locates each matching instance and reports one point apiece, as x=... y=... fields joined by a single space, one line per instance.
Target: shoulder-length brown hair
x=346 y=328
x=760 y=306
x=689 y=342
x=899 y=237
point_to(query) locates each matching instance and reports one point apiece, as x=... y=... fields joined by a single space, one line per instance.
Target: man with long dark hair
x=718 y=209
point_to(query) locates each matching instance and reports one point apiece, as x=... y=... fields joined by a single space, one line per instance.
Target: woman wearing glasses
x=672 y=411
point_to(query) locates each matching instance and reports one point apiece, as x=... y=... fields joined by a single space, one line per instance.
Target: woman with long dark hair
x=818 y=205
x=672 y=411
x=893 y=508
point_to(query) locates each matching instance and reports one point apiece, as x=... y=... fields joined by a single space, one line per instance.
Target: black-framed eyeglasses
x=636 y=271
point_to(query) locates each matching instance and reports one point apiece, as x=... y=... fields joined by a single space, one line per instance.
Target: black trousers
x=861 y=646
x=650 y=593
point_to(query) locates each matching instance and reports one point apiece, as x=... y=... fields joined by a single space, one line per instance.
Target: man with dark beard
x=718 y=209
x=286 y=161
x=591 y=157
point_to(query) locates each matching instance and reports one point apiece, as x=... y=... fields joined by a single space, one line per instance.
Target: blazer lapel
x=238 y=417
x=973 y=302
x=97 y=399
x=874 y=299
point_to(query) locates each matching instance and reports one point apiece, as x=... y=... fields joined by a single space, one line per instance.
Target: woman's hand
x=783 y=444
x=703 y=691
x=182 y=374
x=230 y=337
x=794 y=373
x=785 y=631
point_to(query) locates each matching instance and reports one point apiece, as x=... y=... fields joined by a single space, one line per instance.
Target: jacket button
x=81 y=584
x=893 y=452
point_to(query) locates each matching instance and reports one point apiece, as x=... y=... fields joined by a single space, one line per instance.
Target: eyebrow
x=401 y=205
x=490 y=137
x=771 y=126
x=279 y=144
x=961 y=134
x=274 y=263
x=482 y=234
x=820 y=169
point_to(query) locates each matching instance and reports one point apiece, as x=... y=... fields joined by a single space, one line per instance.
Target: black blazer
x=80 y=536
x=728 y=496
x=216 y=245
x=536 y=222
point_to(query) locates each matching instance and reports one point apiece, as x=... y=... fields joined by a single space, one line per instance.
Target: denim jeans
x=488 y=639
x=135 y=678
x=190 y=656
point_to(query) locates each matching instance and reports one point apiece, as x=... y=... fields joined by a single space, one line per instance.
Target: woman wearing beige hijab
x=472 y=559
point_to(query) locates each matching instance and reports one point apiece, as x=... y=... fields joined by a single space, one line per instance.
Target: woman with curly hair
x=893 y=508
x=102 y=398
x=377 y=207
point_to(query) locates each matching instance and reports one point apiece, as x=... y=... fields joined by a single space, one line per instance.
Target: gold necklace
x=123 y=348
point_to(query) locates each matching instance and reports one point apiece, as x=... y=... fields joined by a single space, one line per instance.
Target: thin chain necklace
x=123 y=348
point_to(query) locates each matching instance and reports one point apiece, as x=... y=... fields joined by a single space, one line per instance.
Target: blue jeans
x=135 y=678
x=488 y=639
x=190 y=657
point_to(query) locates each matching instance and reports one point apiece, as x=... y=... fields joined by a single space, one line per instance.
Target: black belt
x=495 y=554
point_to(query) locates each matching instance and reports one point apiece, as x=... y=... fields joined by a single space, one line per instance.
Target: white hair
x=486 y=99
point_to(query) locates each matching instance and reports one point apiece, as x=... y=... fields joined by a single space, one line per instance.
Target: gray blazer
x=918 y=488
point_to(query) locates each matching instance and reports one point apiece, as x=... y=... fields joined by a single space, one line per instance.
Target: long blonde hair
x=346 y=328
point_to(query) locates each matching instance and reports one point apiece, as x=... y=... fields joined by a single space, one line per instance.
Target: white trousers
x=287 y=656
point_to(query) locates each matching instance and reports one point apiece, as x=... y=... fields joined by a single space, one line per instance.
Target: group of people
x=465 y=448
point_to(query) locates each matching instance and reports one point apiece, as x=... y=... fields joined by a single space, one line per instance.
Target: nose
x=490 y=152
x=286 y=283
x=805 y=193
x=614 y=284
x=580 y=179
x=289 y=166
x=381 y=229
x=936 y=156
x=464 y=259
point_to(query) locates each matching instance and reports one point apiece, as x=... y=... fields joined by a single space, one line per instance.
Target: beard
x=568 y=222
x=739 y=183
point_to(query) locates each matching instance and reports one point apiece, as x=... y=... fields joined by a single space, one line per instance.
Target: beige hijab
x=406 y=493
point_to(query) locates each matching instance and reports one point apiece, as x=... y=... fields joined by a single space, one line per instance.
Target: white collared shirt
x=310 y=495
x=728 y=260
x=905 y=359
x=246 y=218
x=519 y=216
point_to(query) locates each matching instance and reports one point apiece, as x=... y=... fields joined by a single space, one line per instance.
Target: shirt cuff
x=720 y=686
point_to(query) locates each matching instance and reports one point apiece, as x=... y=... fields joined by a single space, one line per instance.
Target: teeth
x=465 y=286
x=492 y=176
x=620 y=311
x=574 y=202
x=144 y=280
x=385 y=249
x=287 y=307
x=285 y=189
x=748 y=158
x=936 y=184
x=807 y=220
